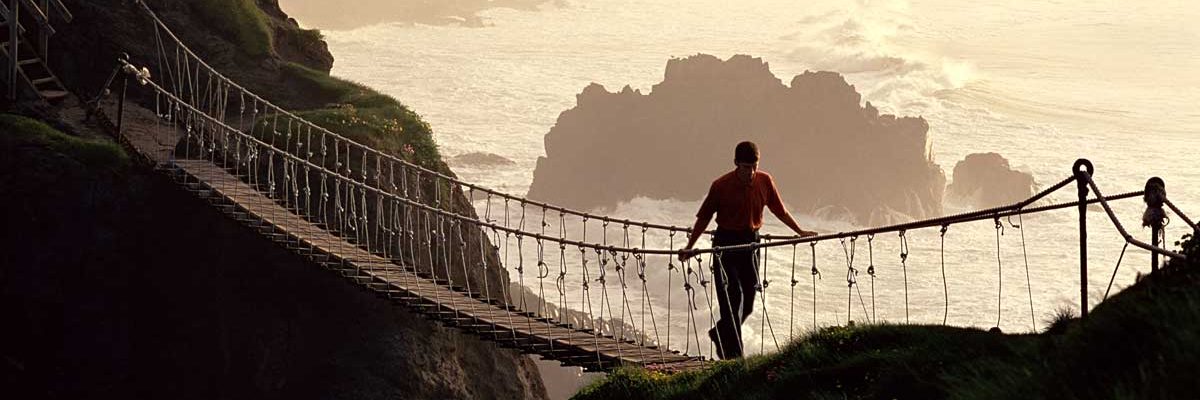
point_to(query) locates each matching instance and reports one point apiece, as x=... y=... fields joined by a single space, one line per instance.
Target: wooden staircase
x=21 y=20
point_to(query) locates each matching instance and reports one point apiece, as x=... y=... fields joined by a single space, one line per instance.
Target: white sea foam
x=1042 y=84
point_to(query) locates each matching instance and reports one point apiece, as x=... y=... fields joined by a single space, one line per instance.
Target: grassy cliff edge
x=1141 y=343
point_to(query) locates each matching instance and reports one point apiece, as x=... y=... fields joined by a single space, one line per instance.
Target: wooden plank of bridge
x=493 y=322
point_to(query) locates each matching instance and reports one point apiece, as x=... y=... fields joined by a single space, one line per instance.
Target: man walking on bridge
x=737 y=198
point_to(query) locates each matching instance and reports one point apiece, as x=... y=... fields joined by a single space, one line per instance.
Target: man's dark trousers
x=736 y=275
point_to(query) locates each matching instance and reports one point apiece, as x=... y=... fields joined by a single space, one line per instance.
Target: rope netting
x=611 y=278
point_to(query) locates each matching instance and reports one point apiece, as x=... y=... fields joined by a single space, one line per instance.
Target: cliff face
x=122 y=285
x=250 y=41
x=828 y=153
x=116 y=284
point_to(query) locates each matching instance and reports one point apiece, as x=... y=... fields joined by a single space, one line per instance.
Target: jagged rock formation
x=827 y=151
x=985 y=180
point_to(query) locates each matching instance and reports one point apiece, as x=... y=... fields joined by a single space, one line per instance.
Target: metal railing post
x=1155 y=216
x=1083 y=170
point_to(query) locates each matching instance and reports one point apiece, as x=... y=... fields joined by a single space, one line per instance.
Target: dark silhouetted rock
x=480 y=159
x=829 y=153
x=985 y=180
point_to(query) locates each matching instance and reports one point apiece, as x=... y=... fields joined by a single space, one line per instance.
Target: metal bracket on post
x=1083 y=171
x=1155 y=217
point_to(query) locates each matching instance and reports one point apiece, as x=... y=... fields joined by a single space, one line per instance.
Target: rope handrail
x=993 y=213
x=1121 y=228
x=1181 y=215
x=962 y=218
x=390 y=157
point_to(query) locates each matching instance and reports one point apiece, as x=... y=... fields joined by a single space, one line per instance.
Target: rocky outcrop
x=84 y=59
x=985 y=180
x=828 y=152
x=480 y=159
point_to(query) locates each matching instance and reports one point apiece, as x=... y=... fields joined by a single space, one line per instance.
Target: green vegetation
x=241 y=21
x=368 y=117
x=21 y=132
x=1141 y=343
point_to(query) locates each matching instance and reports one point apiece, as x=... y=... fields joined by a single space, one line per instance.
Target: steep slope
x=116 y=283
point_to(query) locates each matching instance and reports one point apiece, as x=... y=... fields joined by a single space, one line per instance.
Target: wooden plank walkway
x=506 y=326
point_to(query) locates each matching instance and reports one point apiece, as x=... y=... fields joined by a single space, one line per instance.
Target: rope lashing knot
x=1156 y=195
x=815 y=271
x=871 y=255
x=999 y=226
x=641 y=264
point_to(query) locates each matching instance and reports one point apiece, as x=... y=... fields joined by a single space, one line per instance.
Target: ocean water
x=1042 y=83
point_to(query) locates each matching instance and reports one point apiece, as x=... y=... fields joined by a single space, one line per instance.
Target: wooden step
x=53 y=96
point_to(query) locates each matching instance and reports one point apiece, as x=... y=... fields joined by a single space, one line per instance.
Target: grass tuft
x=368 y=117
x=240 y=21
x=17 y=131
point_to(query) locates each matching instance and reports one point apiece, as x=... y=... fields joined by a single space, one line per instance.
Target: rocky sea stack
x=985 y=180
x=829 y=152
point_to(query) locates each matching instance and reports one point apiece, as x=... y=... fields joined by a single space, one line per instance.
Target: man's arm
x=775 y=204
x=697 y=231
x=703 y=217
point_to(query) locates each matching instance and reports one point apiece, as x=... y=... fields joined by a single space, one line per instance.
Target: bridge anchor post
x=1155 y=217
x=1083 y=170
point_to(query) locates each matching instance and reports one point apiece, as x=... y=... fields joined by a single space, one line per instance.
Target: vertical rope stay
x=712 y=320
x=816 y=274
x=904 y=269
x=1028 y=282
x=999 y=273
x=852 y=280
x=945 y=286
x=871 y=273
x=670 y=285
x=792 y=299
x=1117 y=268
x=717 y=266
x=766 y=283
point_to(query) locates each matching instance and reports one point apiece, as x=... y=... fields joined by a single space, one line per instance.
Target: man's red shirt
x=738 y=206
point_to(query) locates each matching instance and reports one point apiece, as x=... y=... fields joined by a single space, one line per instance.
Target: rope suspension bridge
x=588 y=285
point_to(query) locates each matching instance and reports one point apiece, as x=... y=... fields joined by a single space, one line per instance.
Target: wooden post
x=1155 y=217
x=1083 y=173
